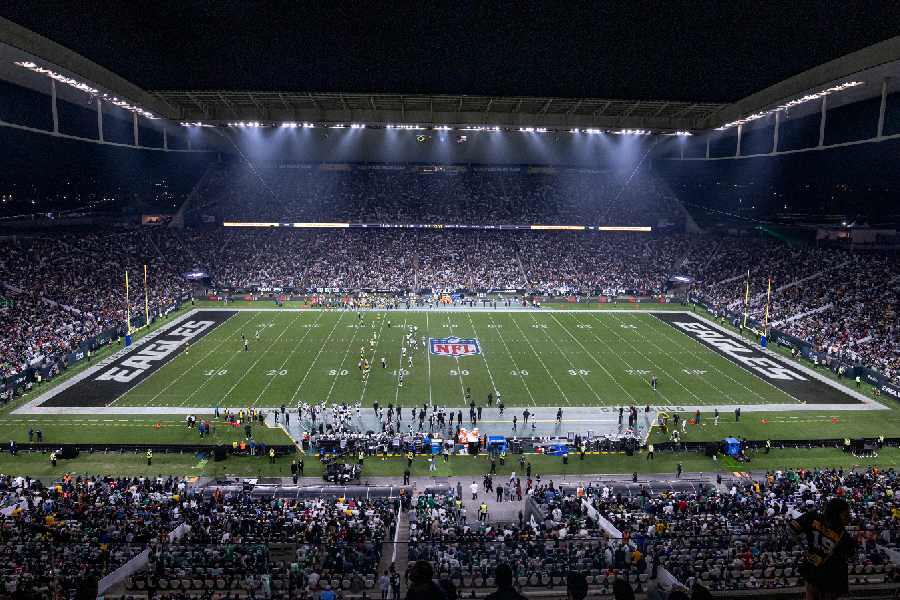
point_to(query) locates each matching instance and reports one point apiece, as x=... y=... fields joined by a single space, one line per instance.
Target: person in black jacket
x=826 y=549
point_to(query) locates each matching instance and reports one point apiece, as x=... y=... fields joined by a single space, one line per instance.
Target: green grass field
x=587 y=362
x=588 y=359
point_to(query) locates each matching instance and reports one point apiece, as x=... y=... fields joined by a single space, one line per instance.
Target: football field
x=589 y=361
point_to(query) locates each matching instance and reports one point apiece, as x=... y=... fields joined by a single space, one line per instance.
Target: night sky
x=697 y=51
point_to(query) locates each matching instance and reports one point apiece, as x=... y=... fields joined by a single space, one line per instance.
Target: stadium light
x=804 y=99
x=443 y=128
x=357 y=126
x=632 y=132
x=78 y=85
x=592 y=130
x=526 y=129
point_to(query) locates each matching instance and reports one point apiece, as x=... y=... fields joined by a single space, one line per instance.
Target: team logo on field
x=453 y=346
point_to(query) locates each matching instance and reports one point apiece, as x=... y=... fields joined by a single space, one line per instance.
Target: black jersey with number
x=829 y=551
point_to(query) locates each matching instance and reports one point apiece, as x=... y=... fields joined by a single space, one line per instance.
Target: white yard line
x=213 y=376
x=493 y=385
x=553 y=379
x=372 y=367
x=173 y=357
x=289 y=356
x=428 y=353
x=400 y=370
x=521 y=377
x=174 y=381
x=266 y=351
x=588 y=353
x=656 y=366
x=689 y=351
x=462 y=386
x=343 y=360
x=321 y=349
x=563 y=354
x=91 y=371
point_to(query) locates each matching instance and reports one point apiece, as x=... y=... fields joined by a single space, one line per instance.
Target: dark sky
x=666 y=50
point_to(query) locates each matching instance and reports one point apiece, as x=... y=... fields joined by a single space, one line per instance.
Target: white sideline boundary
x=99 y=366
x=866 y=403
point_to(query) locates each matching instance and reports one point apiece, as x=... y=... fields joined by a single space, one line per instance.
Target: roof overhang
x=857 y=76
x=20 y=45
x=223 y=107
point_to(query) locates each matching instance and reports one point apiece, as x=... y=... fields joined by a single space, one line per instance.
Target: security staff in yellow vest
x=857 y=381
x=361 y=455
x=846 y=444
x=409 y=457
x=650 y=452
x=503 y=458
x=583 y=450
x=880 y=441
x=272 y=455
x=768 y=446
x=149 y=457
x=53 y=458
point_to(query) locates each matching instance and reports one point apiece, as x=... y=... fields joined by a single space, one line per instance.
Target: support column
x=822 y=123
x=165 y=140
x=189 y=140
x=56 y=115
x=135 y=129
x=737 y=152
x=99 y=120
x=880 y=110
x=707 y=146
x=775 y=137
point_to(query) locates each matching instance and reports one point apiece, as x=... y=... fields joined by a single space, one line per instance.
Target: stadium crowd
x=395 y=194
x=55 y=539
x=718 y=537
x=841 y=303
x=68 y=287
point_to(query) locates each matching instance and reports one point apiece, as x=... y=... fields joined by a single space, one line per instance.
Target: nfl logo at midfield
x=454 y=346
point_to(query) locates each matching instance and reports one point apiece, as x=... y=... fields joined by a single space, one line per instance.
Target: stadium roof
x=30 y=60
x=450 y=110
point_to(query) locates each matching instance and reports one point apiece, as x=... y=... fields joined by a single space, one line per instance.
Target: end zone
x=810 y=389
x=105 y=382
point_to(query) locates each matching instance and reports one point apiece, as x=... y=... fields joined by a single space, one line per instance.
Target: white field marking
x=155 y=396
x=462 y=386
x=776 y=356
x=515 y=366
x=318 y=354
x=563 y=354
x=347 y=353
x=687 y=349
x=372 y=366
x=493 y=385
x=303 y=337
x=428 y=353
x=542 y=361
x=266 y=351
x=656 y=366
x=211 y=377
x=171 y=358
x=633 y=401
x=400 y=369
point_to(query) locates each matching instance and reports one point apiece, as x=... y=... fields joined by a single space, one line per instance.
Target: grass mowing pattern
x=533 y=359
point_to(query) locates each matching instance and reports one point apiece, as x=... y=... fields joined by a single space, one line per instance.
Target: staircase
x=395 y=552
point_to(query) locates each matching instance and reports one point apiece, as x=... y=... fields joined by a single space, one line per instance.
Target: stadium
x=604 y=346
